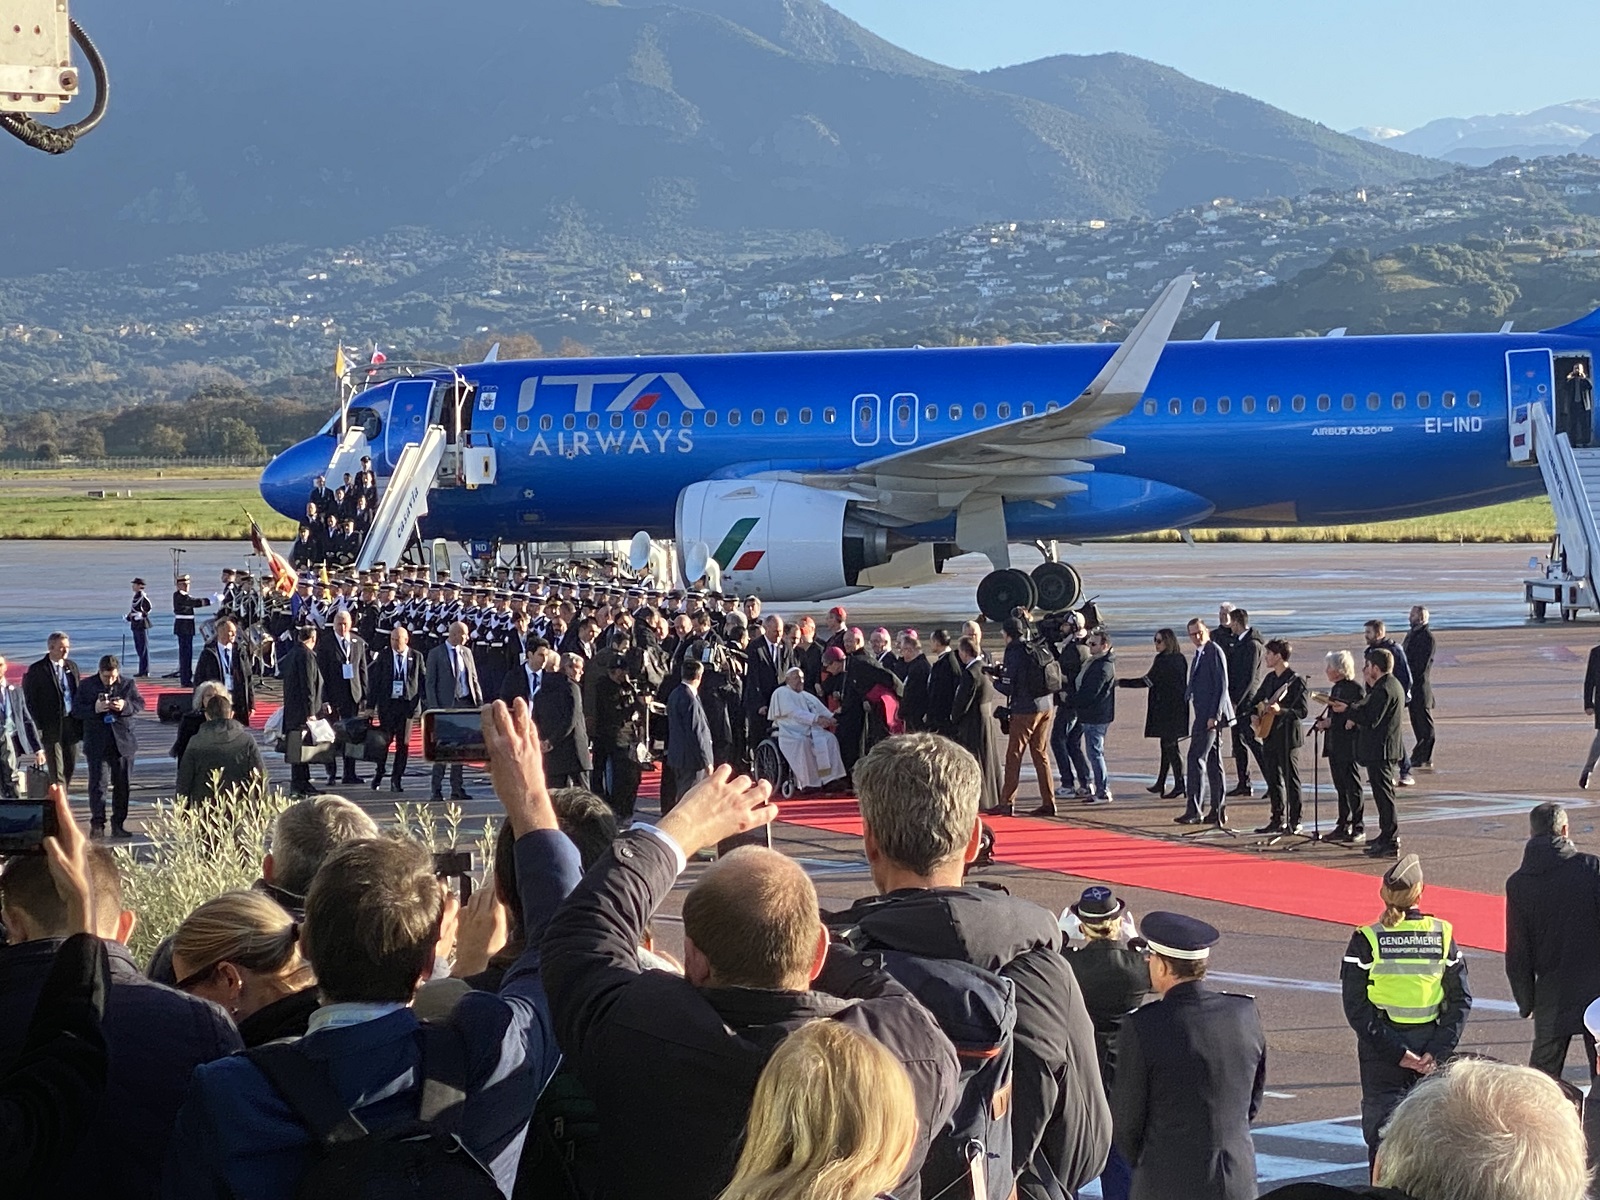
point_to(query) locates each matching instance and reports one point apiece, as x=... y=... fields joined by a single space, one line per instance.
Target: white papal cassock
x=812 y=751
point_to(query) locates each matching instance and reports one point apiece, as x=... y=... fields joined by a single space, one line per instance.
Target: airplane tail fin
x=1588 y=326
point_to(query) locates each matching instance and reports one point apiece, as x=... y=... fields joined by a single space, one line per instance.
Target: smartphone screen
x=453 y=735
x=24 y=825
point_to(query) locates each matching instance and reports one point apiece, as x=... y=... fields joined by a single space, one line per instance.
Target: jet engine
x=786 y=541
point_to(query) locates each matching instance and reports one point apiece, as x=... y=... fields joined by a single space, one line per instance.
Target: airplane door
x=408 y=417
x=866 y=420
x=903 y=419
x=1530 y=380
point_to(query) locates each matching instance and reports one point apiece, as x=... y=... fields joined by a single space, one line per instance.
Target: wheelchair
x=769 y=764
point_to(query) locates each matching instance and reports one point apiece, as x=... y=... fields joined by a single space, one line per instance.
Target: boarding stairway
x=405 y=500
x=1572 y=478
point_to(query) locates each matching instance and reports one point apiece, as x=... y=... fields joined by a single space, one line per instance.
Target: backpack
x=406 y=1160
x=1044 y=669
x=561 y=1158
x=977 y=1010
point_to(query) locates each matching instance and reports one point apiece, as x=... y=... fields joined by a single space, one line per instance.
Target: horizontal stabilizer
x=1588 y=326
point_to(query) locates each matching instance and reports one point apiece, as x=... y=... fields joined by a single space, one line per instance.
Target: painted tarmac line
x=1330 y=988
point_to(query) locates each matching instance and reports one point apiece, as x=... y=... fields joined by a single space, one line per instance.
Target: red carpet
x=1270 y=882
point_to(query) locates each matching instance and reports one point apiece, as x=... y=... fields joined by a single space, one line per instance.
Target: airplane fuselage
x=1248 y=432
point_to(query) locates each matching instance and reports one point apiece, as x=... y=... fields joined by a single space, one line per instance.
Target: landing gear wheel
x=1002 y=591
x=1058 y=585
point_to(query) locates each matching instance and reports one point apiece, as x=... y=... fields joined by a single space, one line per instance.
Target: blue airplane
x=811 y=475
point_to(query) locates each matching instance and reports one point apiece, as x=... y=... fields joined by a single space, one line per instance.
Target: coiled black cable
x=58 y=140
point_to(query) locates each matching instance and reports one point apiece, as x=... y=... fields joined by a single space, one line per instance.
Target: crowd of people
x=348 y=1026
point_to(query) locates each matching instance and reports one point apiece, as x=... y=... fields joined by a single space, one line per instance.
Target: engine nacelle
x=781 y=541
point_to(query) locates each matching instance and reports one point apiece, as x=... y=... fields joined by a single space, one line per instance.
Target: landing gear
x=1002 y=591
x=1058 y=585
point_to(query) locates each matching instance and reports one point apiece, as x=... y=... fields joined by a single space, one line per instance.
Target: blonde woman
x=242 y=951
x=1339 y=748
x=1405 y=995
x=833 y=1118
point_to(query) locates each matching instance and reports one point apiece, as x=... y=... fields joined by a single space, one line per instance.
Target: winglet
x=1128 y=372
x=1210 y=335
x=494 y=353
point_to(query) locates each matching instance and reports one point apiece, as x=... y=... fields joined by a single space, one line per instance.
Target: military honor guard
x=138 y=619
x=183 y=610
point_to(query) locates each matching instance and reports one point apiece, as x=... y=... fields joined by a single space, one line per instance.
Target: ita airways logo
x=636 y=393
x=733 y=542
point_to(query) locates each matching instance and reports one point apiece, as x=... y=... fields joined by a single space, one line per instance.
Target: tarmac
x=1511 y=734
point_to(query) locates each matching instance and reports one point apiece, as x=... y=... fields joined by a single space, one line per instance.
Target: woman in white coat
x=804 y=726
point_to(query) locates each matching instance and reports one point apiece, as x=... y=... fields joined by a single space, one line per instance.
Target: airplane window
x=758 y=417
x=1003 y=411
x=903 y=414
x=616 y=420
x=1175 y=406
x=955 y=412
x=1149 y=408
x=1027 y=410
x=930 y=412
x=1474 y=399
x=1248 y=404
x=570 y=421
x=688 y=418
x=544 y=422
x=978 y=411
x=522 y=423
x=499 y=424
x=594 y=421
x=1199 y=405
x=781 y=416
x=1448 y=400
x=805 y=416
x=829 y=416
x=1348 y=402
x=1424 y=400
x=1298 y=404
x=733 y=417
x=663 y=419
x=1052 y=407
x=638 y=420
x=1398 y=400
x=1324 y=403
x=1224 y=404
x=865 y=417
x=1273 y=404
x=1374 y=401
x=711 y=418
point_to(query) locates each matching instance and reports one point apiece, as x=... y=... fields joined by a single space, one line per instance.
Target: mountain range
x=1573 y=127
x=235 y=126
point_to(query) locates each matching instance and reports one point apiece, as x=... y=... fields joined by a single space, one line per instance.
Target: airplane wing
x=1025 y=459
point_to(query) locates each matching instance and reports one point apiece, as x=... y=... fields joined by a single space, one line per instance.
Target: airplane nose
x=286 y=482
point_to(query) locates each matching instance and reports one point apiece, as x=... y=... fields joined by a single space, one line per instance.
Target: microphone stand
x=1299 y=841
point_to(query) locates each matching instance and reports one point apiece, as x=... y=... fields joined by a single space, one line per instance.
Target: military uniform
x=183 y=610
x=1405 y=991
x=1191 y=1070
x=138 y=620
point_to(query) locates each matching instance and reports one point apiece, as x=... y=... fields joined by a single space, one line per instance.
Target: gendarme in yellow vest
x=1406 y=979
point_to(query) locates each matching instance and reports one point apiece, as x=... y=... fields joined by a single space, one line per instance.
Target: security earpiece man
x=1405 y=995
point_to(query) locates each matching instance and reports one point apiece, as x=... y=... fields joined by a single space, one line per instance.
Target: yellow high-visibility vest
x=1406 y=976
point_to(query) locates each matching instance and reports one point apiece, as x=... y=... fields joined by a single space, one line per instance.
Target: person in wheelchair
x=804 y=729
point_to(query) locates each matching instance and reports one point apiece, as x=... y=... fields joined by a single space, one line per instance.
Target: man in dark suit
x=302 y=698
x=525 y=679
x=1282 y=693
x=342 y=657
x=1246 y=655
x=618 y=730
x=1418 y=651
x=558 y=712
x=688 y=735
x=451 y=682
x=912 y=668
x=106 y=703
x=1190 y=1075
x=1378 y=745
x=229 y=663
x=50 y=686
x=322 y=496
x=395 y=691
x=768 y=662
x=944 y=676
x=183 y=610
x=1210 y=699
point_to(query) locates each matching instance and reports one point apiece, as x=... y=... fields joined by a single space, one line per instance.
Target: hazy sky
x=1344 y=63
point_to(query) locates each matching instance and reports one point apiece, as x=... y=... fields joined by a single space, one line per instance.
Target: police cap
x=1173 y=935
x=1098 y=905
x=137 y=582
x=1404 y=875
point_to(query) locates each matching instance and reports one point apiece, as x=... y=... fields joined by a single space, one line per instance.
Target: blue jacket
x=155 y=1036
x=688 y=732
x=1207 y=692
x=1096 y=698
x=236 y=1139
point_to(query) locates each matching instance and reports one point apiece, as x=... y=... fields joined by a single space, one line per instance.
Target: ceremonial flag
x=338 y=362
x=282 y=573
